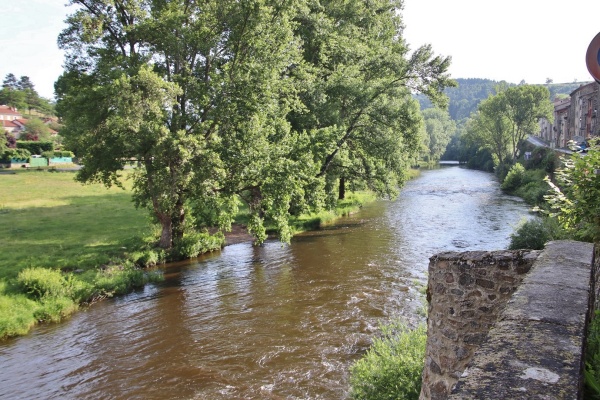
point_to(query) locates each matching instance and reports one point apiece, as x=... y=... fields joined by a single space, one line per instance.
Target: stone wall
x=496 y=331
x=466 y=293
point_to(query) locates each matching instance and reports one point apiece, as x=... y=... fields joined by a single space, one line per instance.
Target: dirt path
x=238 y=234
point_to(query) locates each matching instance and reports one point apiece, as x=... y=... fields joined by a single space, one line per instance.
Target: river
x=271 y=322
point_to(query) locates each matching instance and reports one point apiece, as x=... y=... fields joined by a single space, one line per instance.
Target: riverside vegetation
x=565 y=192
x=72 y=244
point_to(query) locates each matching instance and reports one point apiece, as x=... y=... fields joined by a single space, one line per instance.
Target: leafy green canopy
x=439 y=128
x=505 y=119
x=22 y=94
x=262 y=100
x=575 y=198
x=358 y=104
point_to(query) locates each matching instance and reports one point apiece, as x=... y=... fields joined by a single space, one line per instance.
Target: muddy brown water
x=271 y=322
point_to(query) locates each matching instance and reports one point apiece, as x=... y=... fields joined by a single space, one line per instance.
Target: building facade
x=575 y=118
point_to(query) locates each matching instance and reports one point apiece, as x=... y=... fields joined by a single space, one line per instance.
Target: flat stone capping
x=535 y=349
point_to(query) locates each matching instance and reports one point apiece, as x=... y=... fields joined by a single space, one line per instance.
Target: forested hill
x=465 y=98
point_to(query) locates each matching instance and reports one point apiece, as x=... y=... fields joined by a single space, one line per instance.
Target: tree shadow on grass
x=89 y=231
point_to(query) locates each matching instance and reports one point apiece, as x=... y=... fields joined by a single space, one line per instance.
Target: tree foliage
x=264 y=101
x=439 y=129
x=21 y=94
x=464 y=98
x=575 y=197
x=358 y=104
x=36 y=129
x=505 y=119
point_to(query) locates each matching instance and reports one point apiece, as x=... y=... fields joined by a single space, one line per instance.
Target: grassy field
x=49 y=220
x=51 y=224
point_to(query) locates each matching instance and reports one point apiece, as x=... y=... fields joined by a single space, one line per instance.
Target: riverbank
x=74 y=244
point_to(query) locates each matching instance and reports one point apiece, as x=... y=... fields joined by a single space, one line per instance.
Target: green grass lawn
x=49 y=220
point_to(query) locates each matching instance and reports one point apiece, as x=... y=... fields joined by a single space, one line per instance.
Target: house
x=9 y=113
x=12 y=121
x=14 y=127
x=574 y=117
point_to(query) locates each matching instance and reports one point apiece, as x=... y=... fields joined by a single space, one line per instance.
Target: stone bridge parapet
x=508 y=324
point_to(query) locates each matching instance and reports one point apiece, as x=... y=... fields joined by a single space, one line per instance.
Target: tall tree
x=359 y=108
x=439 y=129
x=10 y=81
x=524 y=106
x=10 y=94
x=490 y=128
x=25 y=83
x=195 y=92
x=32 y=98
x=505 y=119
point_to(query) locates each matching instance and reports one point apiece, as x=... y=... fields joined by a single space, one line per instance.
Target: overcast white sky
x=509 y=40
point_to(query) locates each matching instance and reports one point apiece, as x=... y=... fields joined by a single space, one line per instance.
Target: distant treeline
x=465 y=98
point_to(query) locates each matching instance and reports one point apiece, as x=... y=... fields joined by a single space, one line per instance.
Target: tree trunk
x=342 y=189
x=166 y=234
x=178 y=221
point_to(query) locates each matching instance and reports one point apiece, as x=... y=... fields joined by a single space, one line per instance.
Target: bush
x=392 y=367
x=57 y=153
x=502 y=170
x=195 y=243
x=119 y=280
x=535 y=233
x=55 y=309
x=57 y=295
x=146 y=258
x=533 y=192
x=575 y=198
x=20 y=154
x=35 y=147
x=513 y=178
x=16 y=315
x=42 y=282
x=592 y=359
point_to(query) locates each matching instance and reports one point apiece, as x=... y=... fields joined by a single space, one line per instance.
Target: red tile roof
x=6 y=110
x=9 y=124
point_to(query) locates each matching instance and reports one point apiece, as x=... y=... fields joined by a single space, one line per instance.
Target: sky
x=510 y=40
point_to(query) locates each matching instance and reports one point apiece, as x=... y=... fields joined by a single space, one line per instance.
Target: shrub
x=35 y=147
x=533 y=192
x=514 y=178
x=57 y=153
x=592 y=359
x=42 y=282
x=20 y=154
x=57 y=295
x=535 y=233
x=392 y=367
x=502 y=170
x=147 y=258
x=16 y=315
x=119 y=280
x=55 y=309
x=195 y=243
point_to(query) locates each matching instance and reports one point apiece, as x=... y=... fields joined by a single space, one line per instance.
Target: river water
x=270 y=322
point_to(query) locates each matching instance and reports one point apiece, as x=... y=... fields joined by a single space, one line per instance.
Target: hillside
x=465 y=98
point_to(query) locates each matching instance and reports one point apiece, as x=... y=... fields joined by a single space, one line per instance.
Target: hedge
x=35 y=147
x=58 y=154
